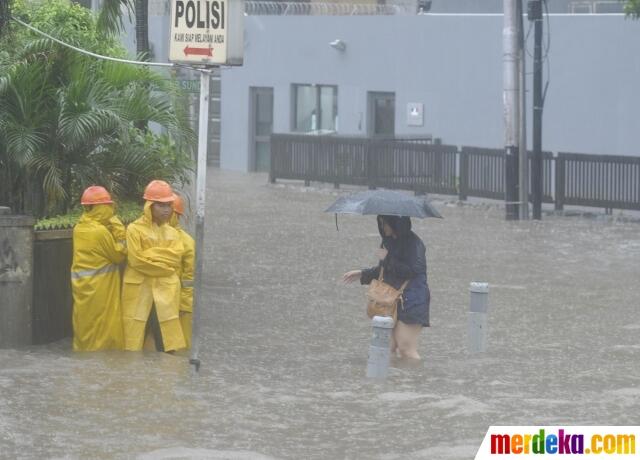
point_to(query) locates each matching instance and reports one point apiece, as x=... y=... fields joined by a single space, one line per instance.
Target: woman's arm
x=369 y=274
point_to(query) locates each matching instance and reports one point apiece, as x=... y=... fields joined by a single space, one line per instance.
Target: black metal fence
x=410 y=164
x=597 y=180
x=52 y=300
x=419 y=165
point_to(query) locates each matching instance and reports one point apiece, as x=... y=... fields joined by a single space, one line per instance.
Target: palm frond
x=46 y=167
x=36 y=47
x=22 y=142
x=110 y=16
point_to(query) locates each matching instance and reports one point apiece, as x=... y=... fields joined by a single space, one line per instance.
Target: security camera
x=338 y=44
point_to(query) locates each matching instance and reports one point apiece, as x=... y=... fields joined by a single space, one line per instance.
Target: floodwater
x=284 y=344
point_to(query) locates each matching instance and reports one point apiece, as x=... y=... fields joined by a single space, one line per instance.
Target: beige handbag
x=382 y=298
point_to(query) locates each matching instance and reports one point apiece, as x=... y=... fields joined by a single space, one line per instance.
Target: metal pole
x=523 y=160
x=379 y=352
x=536 y=170
x=511 y=109
x=478 y=306
x=201 y=189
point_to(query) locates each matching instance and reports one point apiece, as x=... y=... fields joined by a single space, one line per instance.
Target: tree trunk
x=142 y=29
x=142 y=40
x=4 y=15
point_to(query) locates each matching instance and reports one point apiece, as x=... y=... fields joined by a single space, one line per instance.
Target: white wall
x=453 y=65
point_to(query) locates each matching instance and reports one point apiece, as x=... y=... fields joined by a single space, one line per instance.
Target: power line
x=107 y=58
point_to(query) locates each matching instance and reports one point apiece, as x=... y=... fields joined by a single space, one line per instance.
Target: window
x=315 y=108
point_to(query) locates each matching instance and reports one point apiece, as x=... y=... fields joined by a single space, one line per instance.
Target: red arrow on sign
x=198 y=51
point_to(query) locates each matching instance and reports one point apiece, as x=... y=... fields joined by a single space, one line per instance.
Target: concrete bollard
x=379 y=349
x=16 y=289
x=478 y=307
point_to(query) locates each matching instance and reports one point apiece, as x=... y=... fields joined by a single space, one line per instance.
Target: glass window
x=382 y=109
x=264 y=113
x=316 y=108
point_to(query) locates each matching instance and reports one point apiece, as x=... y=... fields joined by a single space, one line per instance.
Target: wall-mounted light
x=338 y=44
x=424 y=6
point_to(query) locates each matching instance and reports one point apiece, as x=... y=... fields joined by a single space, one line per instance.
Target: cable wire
x=108 y=58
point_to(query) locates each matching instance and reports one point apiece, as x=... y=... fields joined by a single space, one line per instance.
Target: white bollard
x=478 y=307
x=379 y=349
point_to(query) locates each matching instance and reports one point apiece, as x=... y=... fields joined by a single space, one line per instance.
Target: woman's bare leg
x=406 y=339
x=393 y=342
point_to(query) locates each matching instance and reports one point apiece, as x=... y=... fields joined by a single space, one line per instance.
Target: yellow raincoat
x=151 y=278
x=186 y=279
x=95 y=281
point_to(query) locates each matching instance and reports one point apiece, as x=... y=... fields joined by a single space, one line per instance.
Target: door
x=381 y=114
x=261 y=128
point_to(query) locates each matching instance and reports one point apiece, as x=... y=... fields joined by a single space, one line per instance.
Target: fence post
x=560 y=182
x=274 y=158
x=372 y=157
x=308 y=162
x=463 y=186
x=16 y=279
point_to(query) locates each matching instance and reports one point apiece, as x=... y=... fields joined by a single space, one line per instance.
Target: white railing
x=596 y=6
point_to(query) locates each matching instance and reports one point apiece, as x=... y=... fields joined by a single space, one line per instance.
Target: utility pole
x=535 y=14
x=523 y=166
x=511 y=107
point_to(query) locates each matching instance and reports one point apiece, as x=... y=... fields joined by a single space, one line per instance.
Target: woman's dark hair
x=401 y=226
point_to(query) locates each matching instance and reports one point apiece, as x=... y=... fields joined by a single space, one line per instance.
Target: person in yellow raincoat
x=98 y=248
x=151 y=278
x=186 y=270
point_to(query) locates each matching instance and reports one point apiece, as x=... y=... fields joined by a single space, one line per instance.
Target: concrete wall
x=451 y=64
x=16 y=287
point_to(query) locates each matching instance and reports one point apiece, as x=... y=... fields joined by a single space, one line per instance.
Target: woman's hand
x=381 y=253
x=351 y=276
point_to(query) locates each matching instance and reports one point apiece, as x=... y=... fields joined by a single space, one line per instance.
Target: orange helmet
x=95 y=195
x=158 y=190
x=178 y=205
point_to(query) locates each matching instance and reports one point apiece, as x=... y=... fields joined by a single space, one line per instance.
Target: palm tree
x=110 y=17
x=67 y=121
x=110 y=21
x=632 y=8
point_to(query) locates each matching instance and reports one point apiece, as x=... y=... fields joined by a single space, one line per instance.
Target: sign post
x=206 y=33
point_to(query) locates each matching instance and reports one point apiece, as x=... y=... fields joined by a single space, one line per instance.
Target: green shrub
x=127 y=211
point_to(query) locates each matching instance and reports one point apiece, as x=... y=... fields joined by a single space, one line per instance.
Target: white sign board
x=415 y=114
x=207 y=32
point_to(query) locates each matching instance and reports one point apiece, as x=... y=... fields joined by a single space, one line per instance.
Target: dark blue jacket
x=406 y=260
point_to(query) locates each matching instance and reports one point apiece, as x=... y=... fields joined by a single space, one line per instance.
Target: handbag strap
x=404 y=285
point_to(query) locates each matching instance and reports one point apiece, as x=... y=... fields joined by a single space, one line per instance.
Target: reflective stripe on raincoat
x=186 y=271
x=95 y=282
x=151 y=278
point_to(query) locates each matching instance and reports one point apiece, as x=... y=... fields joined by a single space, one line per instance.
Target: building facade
x=405 y=74
x=426 y=75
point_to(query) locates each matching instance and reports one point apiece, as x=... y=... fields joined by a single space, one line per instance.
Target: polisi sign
x=207 y=32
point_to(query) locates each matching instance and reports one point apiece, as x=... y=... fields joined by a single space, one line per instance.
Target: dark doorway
x=381 y=114
x=261 y=128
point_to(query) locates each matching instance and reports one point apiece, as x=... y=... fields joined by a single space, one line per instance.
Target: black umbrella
x=384 y=202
